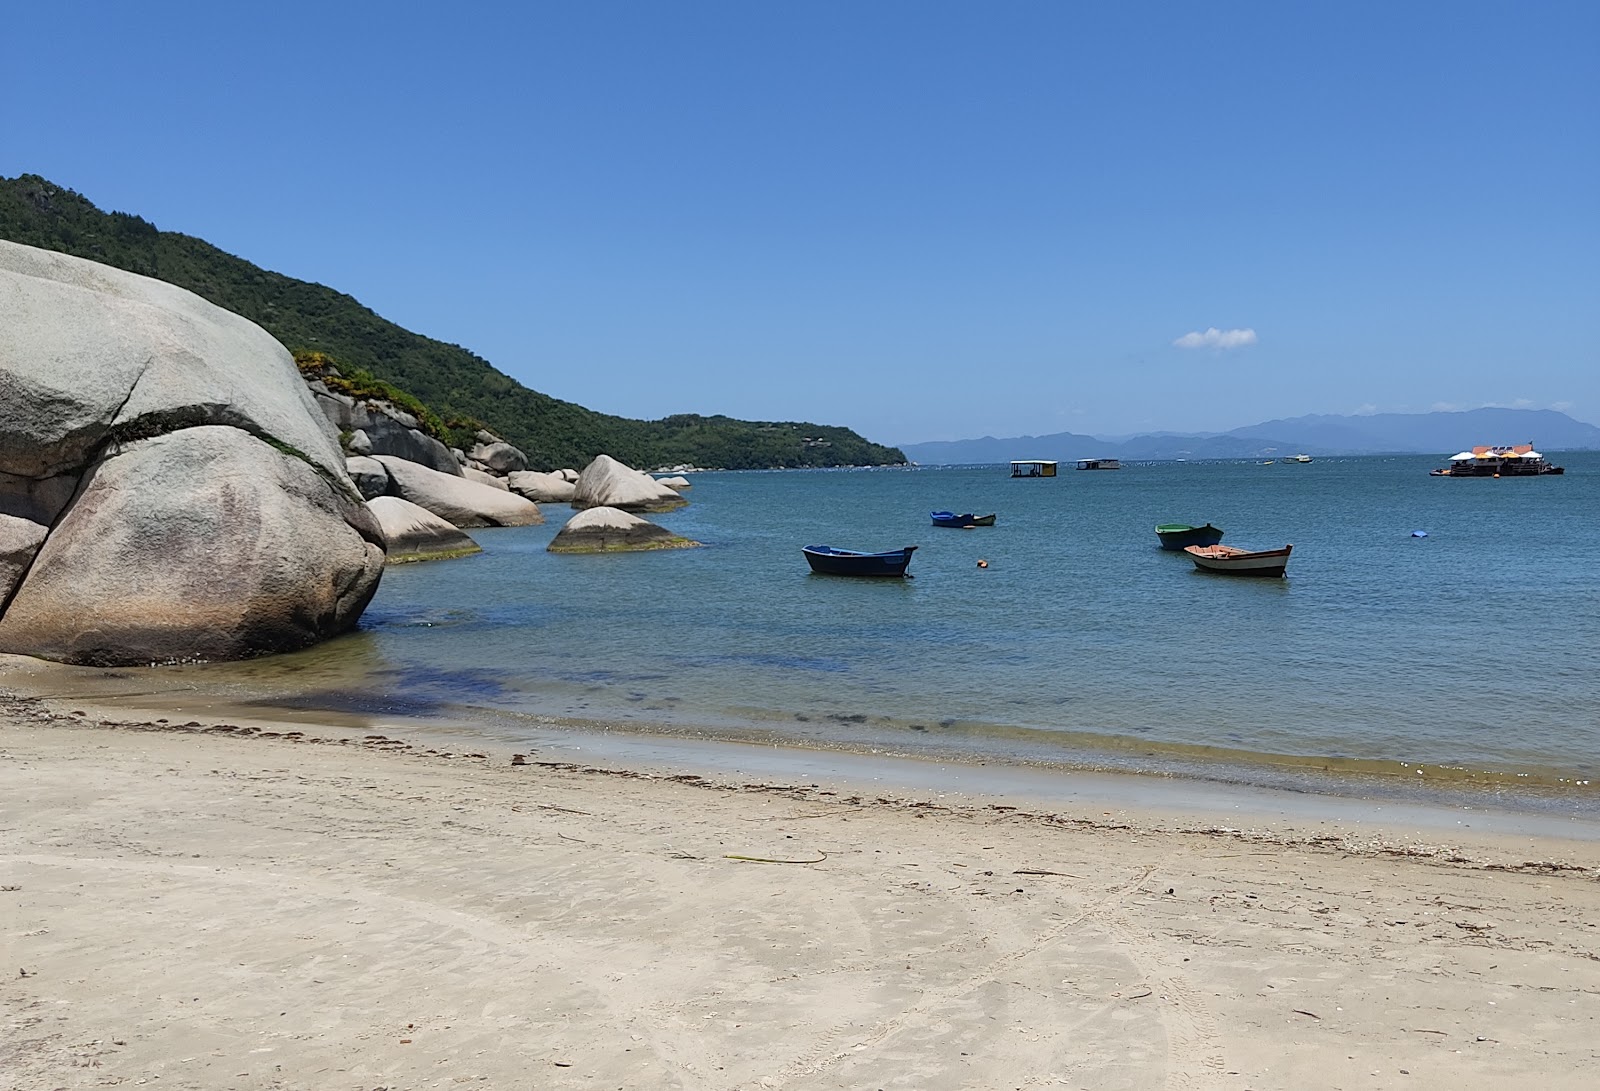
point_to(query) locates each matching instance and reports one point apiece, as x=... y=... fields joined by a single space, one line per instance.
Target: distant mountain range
x=1378 y=434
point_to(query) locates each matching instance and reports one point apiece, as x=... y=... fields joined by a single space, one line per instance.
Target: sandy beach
x=255 y=905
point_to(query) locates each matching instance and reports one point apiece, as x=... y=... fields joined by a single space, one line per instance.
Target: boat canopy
x=1033 y=467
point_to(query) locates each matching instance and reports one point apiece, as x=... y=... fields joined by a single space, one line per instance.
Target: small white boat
x=1240 y=562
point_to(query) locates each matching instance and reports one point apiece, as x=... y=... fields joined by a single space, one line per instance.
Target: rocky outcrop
x=610 y=530
x=382 y=428
x=416 y=534
x=463 y=503
x=607 y=483
x=545 y=488
x=196 y=500
x=676 y=484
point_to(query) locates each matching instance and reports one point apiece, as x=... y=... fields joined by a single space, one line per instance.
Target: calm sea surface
x=1473 y=653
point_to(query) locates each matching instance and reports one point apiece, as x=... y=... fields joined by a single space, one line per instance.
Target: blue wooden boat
x=848 y=562
x=951 y=519
x=1177 y=536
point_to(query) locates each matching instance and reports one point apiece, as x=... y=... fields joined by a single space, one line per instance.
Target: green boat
x=1175 y=536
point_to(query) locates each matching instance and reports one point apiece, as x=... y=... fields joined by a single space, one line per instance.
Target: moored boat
x=1519 y=461
x=1099 y=464
x=1176 y=536
x=849 y=562
x=1240 y=562
x=950 y=519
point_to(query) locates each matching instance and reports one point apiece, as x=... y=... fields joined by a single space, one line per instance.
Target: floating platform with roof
x=1033 y=467
x=1519 y=461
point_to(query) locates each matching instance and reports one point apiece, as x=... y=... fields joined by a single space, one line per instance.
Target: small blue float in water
x=1419 y=534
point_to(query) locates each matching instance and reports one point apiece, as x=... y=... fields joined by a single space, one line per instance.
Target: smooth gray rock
x=500 y=457
x=611 y=530
x=545 y=488
x=370 y=476
x=359 y=443
x=570 y=474
x=416 y=534
x=485 y=437
x=463 y=503
x=471 y=473
x=88 y=351
x=205 y=543
x=676 y=484
x=607 y=483
x=20 y=539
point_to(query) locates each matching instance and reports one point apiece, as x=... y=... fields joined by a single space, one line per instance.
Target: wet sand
x=256 y=904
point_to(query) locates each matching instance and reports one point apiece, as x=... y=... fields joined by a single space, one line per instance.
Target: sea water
x=1470 y=654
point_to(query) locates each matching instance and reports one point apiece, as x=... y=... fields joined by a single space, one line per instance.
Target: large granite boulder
x=607 y=483
x=499 y=457
x=463 y=503
x=90 y=354
x=196 y=501
x=203 y=543
x=377 y=426
x=611 y=530
x=545 y=488
x=416 y=534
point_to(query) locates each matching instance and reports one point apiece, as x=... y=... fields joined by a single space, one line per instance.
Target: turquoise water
x=1473 y=651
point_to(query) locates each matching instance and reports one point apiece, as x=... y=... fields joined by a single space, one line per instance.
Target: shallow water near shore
x=1462 y=660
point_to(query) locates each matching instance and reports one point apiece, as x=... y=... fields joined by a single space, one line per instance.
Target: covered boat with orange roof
x=1519 y=461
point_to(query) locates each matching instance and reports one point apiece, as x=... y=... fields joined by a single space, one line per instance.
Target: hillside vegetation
x=455 y=383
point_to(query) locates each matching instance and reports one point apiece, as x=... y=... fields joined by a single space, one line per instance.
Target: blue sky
x=923 y=220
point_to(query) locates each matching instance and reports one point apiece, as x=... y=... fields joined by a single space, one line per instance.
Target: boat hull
x=828 y=561
x=1177 y=536
x=1230 y=561
x=1498 y=471
x=948 y=519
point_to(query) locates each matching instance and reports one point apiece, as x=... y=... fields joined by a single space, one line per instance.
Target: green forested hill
x=453 y=381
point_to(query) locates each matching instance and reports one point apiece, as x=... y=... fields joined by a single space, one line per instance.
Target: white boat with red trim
x=1239 y=562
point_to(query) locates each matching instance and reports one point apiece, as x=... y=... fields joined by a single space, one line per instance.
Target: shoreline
x=280 y=904
x=1439 y=799
x=1421 y=827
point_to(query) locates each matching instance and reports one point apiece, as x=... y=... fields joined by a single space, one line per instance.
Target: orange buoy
x=983 y=564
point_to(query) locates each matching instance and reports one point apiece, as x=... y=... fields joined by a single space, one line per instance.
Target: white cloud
x=1214 y=338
